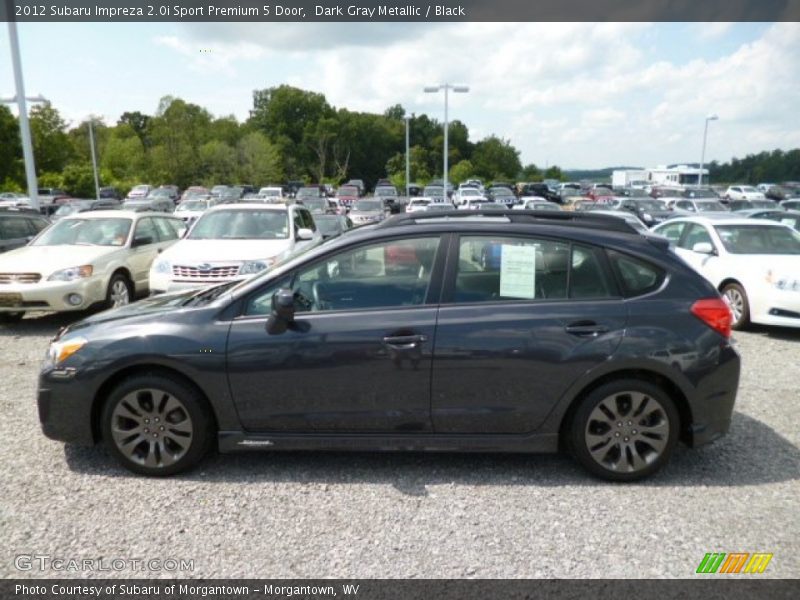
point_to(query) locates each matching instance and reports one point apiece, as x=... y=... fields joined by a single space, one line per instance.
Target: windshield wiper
x=207 y=295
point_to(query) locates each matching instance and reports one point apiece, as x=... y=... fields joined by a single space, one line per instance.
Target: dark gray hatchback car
x=514 y=332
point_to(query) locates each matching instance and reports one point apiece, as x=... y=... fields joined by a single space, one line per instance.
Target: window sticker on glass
x=518 y=271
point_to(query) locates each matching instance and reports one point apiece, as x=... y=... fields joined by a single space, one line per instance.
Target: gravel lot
x=408 y=515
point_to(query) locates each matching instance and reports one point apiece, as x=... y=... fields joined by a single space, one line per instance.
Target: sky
x=578 y=95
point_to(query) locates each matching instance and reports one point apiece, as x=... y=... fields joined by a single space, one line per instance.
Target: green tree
x=554 y=172
x=530 y=172
x=177 y=132
x=139 y=124
x=496 y=159
x=218 y=162
x=11 y=167
x=78 y=180
x=259 y=160
x=124 y=155
x=51 y=145
x=460 y=172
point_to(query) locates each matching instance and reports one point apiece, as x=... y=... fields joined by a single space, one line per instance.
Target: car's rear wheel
x=736 y=298
x=155 y=425
x=624 y=430
x=120 y=291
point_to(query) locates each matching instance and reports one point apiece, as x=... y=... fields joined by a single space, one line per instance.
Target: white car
x=754 y=263
x=535 y=203
x=465 y=194
x=84 y=259
x=743 y=192
x=191 y=210
x=271 y=194
x=140 y=191
x=418 y=204
x=234 y=241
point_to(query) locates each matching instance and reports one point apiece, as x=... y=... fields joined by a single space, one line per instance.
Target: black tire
x=11 y=317
x=113 y=292
x=629 y=445
x=169 y=450
x=736 y=298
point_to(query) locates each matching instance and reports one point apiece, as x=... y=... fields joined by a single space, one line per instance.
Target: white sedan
x=755 y=264
x=84 y=259
x=743 y=192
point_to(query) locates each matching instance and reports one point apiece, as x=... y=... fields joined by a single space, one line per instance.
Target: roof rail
x=570 y=218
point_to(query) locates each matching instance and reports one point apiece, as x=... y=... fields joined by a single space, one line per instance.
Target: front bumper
x=65 y=410
x=51 y=295
x=776 y=307
x=160 y=284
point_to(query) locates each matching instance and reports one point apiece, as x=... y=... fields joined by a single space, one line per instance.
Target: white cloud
x=575 y=94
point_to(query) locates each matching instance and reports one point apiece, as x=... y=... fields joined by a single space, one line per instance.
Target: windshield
x=315 y=203
x=347 y=190
x=67 y=209
x=269 y=193
x=699 y=194
x=369 y=205
x=86 y=232
x=470 y=192
x=649 y=205
x=749 y=190
x=385 y=191
x=435 y=190
x=242 y=225
x=711 y=207
x=307 y=192
x=327 y=225
x=759 y=239
x=192 y=205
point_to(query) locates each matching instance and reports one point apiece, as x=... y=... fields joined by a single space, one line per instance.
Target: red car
x=347 y=194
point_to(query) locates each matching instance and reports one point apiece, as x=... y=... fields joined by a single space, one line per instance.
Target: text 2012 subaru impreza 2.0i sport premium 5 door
x=459 y=331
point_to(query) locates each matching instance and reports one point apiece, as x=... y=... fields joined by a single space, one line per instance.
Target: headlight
x=647 y=217
x=61 y=351
x=255 y=266
x=162 y=266
x=72 y=273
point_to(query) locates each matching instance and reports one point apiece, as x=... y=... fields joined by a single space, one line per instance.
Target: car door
x=521 y=319
x=694 y=234
x=145 y=246
x=358 y=355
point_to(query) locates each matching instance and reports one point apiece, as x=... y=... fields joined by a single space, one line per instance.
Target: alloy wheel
x=627 y=431
x=151 y=427
x=736 y=302
x=120 y=295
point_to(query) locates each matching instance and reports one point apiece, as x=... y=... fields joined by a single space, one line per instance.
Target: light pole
x=703 y=154
x=24 y=125
x=407 y=119
x=458 y=89
x=94 y=158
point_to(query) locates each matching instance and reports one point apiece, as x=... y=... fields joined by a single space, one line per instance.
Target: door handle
x=404 y=342
x=586 y=329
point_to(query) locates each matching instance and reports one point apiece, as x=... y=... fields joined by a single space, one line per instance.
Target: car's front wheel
x=624 y=430
x=155 y=425
x=120 y=291
x=736 y=298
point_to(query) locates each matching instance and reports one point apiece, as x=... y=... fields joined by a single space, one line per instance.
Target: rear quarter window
x=636 y=276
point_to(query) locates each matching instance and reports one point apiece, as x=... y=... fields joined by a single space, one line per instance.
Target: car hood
x=215 y=251
x=48 y=259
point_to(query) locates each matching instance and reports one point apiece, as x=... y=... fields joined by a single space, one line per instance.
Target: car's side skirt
x=237 y=441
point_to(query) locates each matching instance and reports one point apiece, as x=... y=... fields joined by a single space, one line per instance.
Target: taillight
x=715 y=313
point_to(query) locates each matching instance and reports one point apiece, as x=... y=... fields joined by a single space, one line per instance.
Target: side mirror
x=282 y=311
x=305 y=234
x=703 y=248
x=142 y=241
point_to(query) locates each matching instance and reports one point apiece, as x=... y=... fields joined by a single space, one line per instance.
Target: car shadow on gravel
x=43 y=324
x=776 y=333
x=752 y=454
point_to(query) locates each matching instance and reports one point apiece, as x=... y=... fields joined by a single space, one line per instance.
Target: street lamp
x=703 y=154
x=433 y=89
x=94 y=158
x=407 y=119
x=24 y=125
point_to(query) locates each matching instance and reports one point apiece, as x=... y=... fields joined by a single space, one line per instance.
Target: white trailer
x=624 y=178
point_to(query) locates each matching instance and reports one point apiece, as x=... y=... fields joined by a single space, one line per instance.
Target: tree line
x=290 y=135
